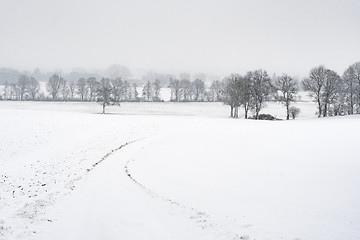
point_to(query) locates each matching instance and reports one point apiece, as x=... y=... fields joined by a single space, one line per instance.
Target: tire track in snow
x=201 y=218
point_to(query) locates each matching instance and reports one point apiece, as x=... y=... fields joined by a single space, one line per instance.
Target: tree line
x=334 y=94
x=84 y=89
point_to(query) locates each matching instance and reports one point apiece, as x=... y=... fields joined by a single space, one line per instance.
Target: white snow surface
x=175 y=171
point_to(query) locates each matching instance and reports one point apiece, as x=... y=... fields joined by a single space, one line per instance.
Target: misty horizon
x=215 y=38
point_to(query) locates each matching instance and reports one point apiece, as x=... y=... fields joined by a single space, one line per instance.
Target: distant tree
x=157 y=89
x=91 y=84
x=186 y=89
x=147 y=91
x=261 y=89
x=315 y=85
x=294 y=111
x=118 y=89
x=72 y=89
x=136 y=94
x=175 y=89
x=33 y=87
x=22 y=84
x=199 y=89
x=105 y=94
x=288 y=88
x=127 y=91
x=65 y=90
x=217 y=88
x=82 y=88
x=14 y=92
x=6 y=90
x=54 y=86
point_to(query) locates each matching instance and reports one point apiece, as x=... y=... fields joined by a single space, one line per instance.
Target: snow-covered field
x=175 y=171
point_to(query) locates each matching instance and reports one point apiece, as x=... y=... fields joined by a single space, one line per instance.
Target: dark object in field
x=265 y=117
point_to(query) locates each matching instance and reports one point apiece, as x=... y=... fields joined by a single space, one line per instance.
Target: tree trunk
x=246 y=111
x=325 y=110
x=287 y=111
x=103 y=111
x=319 y=108
x=232 y=111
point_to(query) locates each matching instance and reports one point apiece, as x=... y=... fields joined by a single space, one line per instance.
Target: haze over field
x=214 y=37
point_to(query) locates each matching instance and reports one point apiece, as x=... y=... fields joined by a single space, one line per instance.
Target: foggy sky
x=211 y=36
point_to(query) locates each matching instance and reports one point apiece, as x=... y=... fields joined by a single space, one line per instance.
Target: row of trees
x=59 y=89
x=185 y=90
x=334 y=94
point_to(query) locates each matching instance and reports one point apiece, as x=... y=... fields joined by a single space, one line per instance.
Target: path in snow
x=107 y=206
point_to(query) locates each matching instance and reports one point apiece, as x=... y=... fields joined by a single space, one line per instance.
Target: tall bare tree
x=330 y=90
x=232 y=94
x=261 y=89
x=287 y=88
x=315 y=84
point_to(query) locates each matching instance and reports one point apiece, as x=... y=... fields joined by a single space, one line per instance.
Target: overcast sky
x=211 y=36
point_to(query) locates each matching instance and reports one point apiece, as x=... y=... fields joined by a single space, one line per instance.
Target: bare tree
x=136 y=94
x=54 y=85
x=261 y=89
x=91 y=84
x=186 y=89
x=157 y=89
x=315 y=84
x=6 y=90
x=105 y=93
x=330 y=90
x=65 y=90
x=245 y=90
x=232 y=94
x=294 y=111
x=33 y=87
x=72 y=89
x=288 y=88
x=147 y=91
x=126 y=91
x=22 y=84
x=199 y=89
x=352 y=82
x=217 y=89
x=117 y=85
x=82 y=88
x=175 y=89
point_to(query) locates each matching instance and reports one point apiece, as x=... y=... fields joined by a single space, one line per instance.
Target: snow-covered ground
x=187 y=172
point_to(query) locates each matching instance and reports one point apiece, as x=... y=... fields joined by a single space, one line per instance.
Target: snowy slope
x=204 y=177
